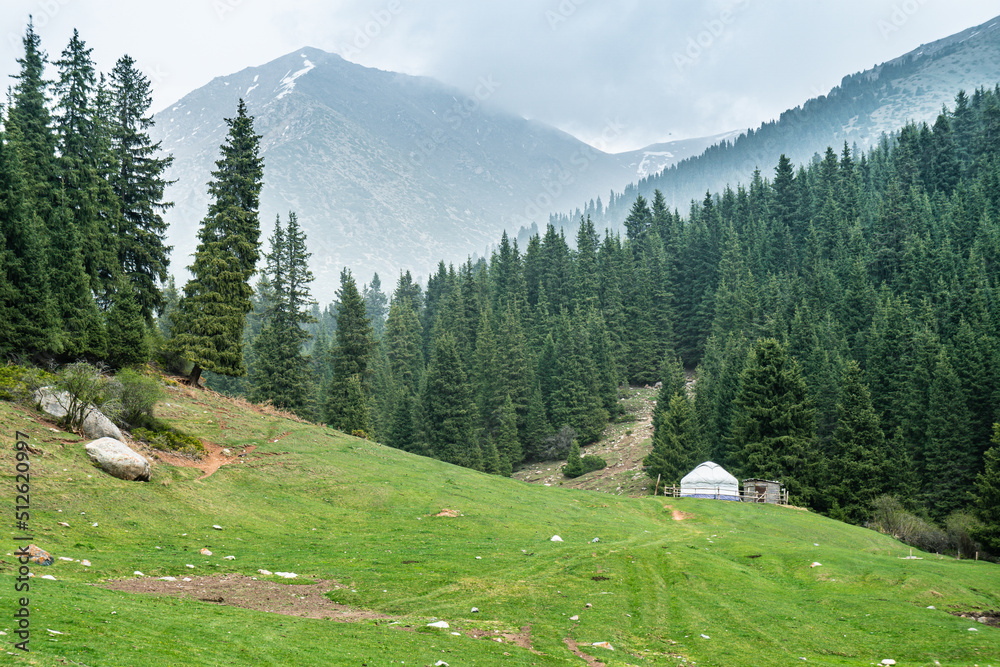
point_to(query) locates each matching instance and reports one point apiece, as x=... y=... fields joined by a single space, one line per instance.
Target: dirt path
x=237 y=590
x=623 y=446
x=215 y=457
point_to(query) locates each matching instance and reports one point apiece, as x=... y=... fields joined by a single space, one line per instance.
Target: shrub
x=138 y=395
x=19 y=383
x=359 y=433
x=88 y=387
x=170 y=439
x=961 y=527
x=577 y=465
x=892 y=519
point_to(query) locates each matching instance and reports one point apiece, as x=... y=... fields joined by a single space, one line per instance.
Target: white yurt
x=710 y=480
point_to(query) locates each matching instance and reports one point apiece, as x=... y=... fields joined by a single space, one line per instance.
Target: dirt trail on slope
x=622 y=445
x=213 y=459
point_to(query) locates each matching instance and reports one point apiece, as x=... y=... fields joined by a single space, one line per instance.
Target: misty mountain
x=386 y=171
x=913 y=87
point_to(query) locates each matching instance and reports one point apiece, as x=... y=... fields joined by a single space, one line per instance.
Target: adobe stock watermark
x=704 y=39
x=554 y=187
x=44 y=11
x=22 y=518
x=563 y=11
x=366 y=33
x=454 y=117
x=223 y=7
x=900 y=16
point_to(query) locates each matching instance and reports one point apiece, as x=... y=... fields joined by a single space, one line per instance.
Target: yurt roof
x=709 y=474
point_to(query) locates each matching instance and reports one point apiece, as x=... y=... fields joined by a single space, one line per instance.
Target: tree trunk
x=195 y=376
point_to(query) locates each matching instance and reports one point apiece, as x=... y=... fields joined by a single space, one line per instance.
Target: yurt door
x=761 y=493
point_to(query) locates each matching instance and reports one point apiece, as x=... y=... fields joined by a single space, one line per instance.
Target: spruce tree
x=859 y=466
x=282 y=374
x=507 y=442
x=676 y=439
x=376 y=306
x=350 y=374
x=138 y=184
x=208 y=326
x=988 y=495
x=128 y=343
x=773 y=425
x=30 y=314
x=450 y=416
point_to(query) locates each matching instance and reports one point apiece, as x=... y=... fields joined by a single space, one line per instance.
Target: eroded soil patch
x=591 y=660
x=237 y=590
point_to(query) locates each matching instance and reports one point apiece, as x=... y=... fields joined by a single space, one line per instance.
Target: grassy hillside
x=361 y=517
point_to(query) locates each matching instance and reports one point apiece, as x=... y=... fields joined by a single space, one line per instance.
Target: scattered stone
x=115 y=458
x=39 y=556
x=265 y=572
x=286 y=575
x=229 y=558
x=189 y=565
x=85 y=562
x=981 y=619
x=63 y=524
x=205 y=552
x=574 y=617
x=596 y=539
x=64 y=558
x=55 y=632
x=475 y=610
x=137 y=573
x=931 y=607
x=440 y=663
x=588 y=605
x=970 y=629
x=186 y=579
x=49 y=577
x=457 y=634
x=606 y=645
x=217 y=527
x=705 y=637
x=815 y=564
x=479 y=557
x=888 y=661
x=449 y=513
x=167 y=579
x=94 y=525
x=438 y=624
x=555 y=538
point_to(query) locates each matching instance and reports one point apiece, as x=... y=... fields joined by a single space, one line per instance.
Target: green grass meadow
x=329 y=506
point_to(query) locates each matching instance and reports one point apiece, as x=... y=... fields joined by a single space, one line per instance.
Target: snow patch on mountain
x=287 y=84
x=653 y=162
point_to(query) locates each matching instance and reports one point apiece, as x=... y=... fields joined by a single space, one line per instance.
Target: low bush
x=88 y=385
x=893 y=519
x=577 y=465
x=138 y=394
x=171 y=440
x=19 y=383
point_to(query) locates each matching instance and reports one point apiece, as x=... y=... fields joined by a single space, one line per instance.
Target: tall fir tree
x=282 y=374
x=773 y=422
x=351 y=374
x=210 y=319
x=138 y=183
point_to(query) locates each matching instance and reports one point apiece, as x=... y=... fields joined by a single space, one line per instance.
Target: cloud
x=663 y=70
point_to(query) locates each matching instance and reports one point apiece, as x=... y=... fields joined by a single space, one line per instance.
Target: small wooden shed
x=763 y=491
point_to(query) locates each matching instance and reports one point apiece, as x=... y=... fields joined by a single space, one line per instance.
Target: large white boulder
x=115 y=458
x=95 y=425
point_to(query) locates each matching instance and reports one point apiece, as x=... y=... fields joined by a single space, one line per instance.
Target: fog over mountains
x=388 y=172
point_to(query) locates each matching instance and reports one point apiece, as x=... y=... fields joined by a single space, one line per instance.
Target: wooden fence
x=752 y=497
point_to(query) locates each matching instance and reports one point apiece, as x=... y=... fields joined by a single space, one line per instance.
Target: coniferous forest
x=839 y=320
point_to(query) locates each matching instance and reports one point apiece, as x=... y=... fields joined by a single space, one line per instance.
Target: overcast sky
x=619 y=75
